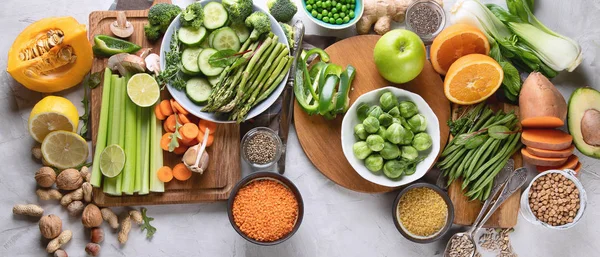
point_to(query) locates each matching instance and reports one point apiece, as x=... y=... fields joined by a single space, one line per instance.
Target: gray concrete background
x=337 y=222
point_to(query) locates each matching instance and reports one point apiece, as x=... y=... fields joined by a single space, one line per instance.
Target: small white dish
x=348 y=139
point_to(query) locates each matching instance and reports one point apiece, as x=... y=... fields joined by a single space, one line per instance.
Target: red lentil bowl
x=265 y=208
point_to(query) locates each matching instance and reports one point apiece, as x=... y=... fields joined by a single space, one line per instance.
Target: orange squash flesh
x=551 y=153
x=547 y=139
x=571 y=163
x=542 y=161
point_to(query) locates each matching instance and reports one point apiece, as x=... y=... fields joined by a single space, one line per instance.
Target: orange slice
x=472 y=79
x=454 y=42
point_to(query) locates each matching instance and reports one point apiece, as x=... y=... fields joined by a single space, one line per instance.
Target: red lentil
x=265 y=210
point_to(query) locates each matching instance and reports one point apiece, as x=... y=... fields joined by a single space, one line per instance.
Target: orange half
x=454 y=42
x=472 y=79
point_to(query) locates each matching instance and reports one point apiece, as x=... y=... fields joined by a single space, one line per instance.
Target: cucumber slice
x=215 y=15
x=205 y=67
x=225 y=38
x=189 y=60
x=213 y=80
x=191 y=37
x=210 y=39
x=241 y=31
x=198 y=90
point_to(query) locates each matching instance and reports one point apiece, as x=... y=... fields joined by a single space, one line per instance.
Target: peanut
x=48 y=194
x=70 y=197
x=136 y=216
x=125 y=228
x=110 y=217
x=58 y=242
x=87 y=191
x=28 y=209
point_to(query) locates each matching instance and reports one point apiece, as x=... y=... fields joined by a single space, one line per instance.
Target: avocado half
x=584 y=120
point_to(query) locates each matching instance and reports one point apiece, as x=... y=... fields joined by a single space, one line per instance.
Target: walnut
x=50 y=226
x=69 y=179
x=45 y=177
x=91 y=216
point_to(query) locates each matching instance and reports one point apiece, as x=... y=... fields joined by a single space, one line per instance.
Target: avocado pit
x=590 y=123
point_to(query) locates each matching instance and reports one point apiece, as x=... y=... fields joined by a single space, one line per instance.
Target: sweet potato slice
x=547 y=139
x=577 y=168
x=541 y=104
x=551 y=153
x=542 y=161
x=571 y=163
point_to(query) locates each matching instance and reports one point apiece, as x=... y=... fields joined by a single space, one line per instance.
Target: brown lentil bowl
x=435 y=236
x=268 y=176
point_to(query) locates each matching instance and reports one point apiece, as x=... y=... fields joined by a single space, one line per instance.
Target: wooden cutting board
x=465 y=211
x=224 y=167
x=320 y=138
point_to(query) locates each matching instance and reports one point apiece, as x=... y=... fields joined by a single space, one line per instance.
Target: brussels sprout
x=361 y=150
x=395 y=133
x=375 y=142
x=395 y=112
x=388 y=101
x=390 y=151
x=410 y=153
x=374 y=162
x=417 y=123
x=408 y=109
x=371 y=124
x=360 y=132
x=381 y=132
x=422 y=141
x=385 y=119
x=410 y=166
x=393 y=169
x=407 y=137
x=375 y=111
x=362 y=111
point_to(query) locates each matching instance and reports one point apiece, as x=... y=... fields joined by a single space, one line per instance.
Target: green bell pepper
x=342 y=100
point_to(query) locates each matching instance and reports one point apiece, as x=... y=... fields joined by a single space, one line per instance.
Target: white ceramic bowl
x=195 y=109
x=348 y=139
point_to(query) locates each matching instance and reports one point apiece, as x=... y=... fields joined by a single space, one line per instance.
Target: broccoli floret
x=289 y=33
x=238 y=10
x=260 y=24
x=160 y=17
x=282 y=10
x=192 y=16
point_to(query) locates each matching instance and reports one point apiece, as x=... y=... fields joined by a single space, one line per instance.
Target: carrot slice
x=542 y=122
x=165 y=107
x=165 y=174
x=577 y=168
x=210 y=140
x=542 y=161
x=191 y=143
x=169 y=124
x=571 y=163
x=165 y=140
x=181 y=149
x=547 y=139
x=158 y=113
x=203 y=124
x=183 y=119
x=178 y=108
x=188 y=132
x=551 y=153
x=181 y=172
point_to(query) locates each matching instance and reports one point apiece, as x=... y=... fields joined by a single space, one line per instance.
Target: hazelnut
x=97 y=235
x=69 y=179
x=45 y=177
x=60 y=253
x=92 y=249
x=91 y=216
x=50 y=226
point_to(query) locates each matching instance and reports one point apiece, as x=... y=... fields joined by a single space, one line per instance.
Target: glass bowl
x=256 y=131
x=410 y=14
x=528 y=214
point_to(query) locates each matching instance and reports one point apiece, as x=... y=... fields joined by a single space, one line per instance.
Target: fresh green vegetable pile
x=482 y=144
x=282 y=10
x=332 y=11
x=228 y=56
x=324 y=88
x=391 y=136
x=160 y=17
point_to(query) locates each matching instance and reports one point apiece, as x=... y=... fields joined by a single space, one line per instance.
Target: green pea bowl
x=346 y=15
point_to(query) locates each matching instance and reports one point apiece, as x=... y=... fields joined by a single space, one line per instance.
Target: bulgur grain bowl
x=265 y=208
x=423 y=213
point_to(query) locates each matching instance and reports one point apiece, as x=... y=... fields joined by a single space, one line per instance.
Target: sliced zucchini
x=191 y=37
x=215 y=15
x=205 y=67
x=213 y=80
x=198 y=90
x=189 y=60
x=225 y=38
x=241 y=31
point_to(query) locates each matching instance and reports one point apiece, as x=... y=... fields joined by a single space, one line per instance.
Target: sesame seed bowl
x=265 y=208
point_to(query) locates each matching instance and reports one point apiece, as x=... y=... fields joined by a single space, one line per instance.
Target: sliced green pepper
x=326 y=95
x=301 y=88
x=107 y=46
x=342 y=101
x=322 y=54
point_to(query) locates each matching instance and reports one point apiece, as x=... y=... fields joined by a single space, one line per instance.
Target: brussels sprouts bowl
x=396 y=148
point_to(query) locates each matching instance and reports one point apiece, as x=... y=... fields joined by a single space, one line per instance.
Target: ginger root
x=48 y=194
x=110 y=217
x=28 y=209
x=58 y=242
x=382 y=13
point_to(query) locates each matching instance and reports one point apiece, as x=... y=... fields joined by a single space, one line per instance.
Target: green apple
x=399 y=55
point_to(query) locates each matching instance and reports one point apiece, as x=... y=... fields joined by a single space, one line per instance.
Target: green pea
x=332 y=21
x=309 y=7
x=338 y=6
x=338 y=21
x=314 y=13
x=311 y=1
x=330 y=15
x=344 y=8
x=319 y=4
x=326 y=19
x=352 y=6
x=351 y=14
x=334 y=10
x=346 y=19
x=334 y=3
x=342 y=14
x=324 y=12
x=328 y=3
x=319 y=16
x=336 y=16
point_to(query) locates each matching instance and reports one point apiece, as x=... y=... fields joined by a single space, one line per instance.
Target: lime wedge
x=112 y=160
x=143 y=90
x=63 y=149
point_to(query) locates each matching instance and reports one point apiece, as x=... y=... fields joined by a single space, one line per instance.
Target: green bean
x=450 y=156
x=504 y=120
x=488 y=190
x=452 y=160
x=491 y=161
x=499 y=166
x=465 y=160
x=450 y=148
x=481 y=154
x=481 y=120
x=504 y=154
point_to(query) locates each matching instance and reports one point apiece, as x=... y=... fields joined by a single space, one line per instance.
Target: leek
x=131 y=130
x=156 y=154
x=112 y=186
x=96 y=179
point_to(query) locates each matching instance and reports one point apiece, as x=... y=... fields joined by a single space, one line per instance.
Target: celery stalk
x=145 y=151
x=102 y=128
x=137 y=182
x=111 y=185
x=131 y=130
x=156 y=154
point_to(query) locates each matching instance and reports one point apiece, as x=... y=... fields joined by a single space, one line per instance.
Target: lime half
x=143 y=90
x=112 y=160
x=63 y=149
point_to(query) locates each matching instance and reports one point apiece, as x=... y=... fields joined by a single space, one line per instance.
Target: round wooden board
x=320 y=138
